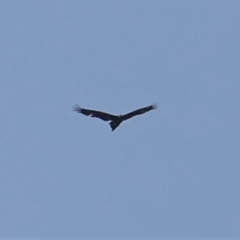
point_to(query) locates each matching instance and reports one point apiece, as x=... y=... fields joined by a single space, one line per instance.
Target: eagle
x=115 y=120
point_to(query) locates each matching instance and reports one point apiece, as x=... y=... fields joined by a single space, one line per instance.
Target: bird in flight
x=114 y=119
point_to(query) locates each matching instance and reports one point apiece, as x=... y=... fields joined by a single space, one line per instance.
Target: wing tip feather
x=154 y=106
x=77 y=108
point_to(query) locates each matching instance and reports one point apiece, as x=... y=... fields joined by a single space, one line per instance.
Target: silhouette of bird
x=115 y=120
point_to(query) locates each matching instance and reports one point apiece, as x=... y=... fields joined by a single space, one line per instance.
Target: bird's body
x=115 y=120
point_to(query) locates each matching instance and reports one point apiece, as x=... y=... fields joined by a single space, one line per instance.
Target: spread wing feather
x=138 y=112
x=102 y=115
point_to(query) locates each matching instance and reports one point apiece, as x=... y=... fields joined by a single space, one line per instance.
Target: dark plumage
x=115 y=120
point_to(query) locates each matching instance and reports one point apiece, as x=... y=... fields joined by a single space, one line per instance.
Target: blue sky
x=171 y=173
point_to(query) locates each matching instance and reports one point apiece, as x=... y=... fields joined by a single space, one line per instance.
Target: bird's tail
x=114 y=125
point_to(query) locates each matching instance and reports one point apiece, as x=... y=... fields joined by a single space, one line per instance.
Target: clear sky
x=172 y=173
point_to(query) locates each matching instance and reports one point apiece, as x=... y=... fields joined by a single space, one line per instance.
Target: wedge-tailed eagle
x=114 y=119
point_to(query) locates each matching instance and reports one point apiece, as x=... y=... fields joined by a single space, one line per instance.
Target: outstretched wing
x=138 y=112
x=102 y=115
